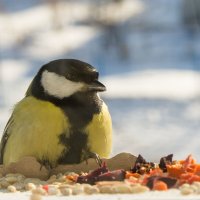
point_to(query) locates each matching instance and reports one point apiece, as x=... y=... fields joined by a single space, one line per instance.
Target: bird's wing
x=5 y=137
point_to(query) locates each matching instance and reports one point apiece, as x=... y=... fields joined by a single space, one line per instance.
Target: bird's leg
x=45 y=163
x=89 y=154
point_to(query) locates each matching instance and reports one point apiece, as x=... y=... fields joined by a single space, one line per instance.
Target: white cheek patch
x=59 y=86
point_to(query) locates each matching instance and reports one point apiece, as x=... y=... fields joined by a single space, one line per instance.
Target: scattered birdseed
x=11 y=188
x=66 y=191
x=100 y=181
x=30 y=186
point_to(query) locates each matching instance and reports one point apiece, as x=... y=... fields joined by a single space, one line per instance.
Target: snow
x=171 y=194
x=154 y=84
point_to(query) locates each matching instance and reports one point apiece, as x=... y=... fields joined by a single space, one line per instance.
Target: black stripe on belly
x=75 y=146
x=79 y=113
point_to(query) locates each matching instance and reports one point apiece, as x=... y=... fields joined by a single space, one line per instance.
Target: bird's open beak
x=96 y=86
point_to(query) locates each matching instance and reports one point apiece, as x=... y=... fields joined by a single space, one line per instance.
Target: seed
x=106 y=189
x=88 y=189
x=186 y=191
x=65 y=186
x=139 y=189
x=53 y=190
x=196 y=184
x=40 y=191
x=77 y=190
x=11 y=179
x=19 y=186
x=194 y=188
x=122 y=188
x=20 y=177
x=185 y=185
x=10 y=175
x=4 y=183
x=30 y=186
x=66 y=191
x=11 y=188
x=142 y=170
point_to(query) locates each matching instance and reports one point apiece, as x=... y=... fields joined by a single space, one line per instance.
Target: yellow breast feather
x=99 y=133
x=34 y=131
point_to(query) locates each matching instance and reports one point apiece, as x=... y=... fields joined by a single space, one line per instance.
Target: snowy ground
x=152 y=73
x=170 y=195
x=147 y=58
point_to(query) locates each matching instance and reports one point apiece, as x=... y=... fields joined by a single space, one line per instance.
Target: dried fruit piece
x=142 y=166
x=92 y=177
x=160 y=185
x=116 y=175
x=164 y=161
x=170 y=182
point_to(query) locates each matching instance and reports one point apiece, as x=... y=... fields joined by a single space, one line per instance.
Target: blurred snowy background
x=147 y=52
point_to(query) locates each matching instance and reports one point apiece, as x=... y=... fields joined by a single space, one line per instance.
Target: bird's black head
x=65 y=77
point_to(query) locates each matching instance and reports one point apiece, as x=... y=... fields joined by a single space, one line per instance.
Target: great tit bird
x=61 y=119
